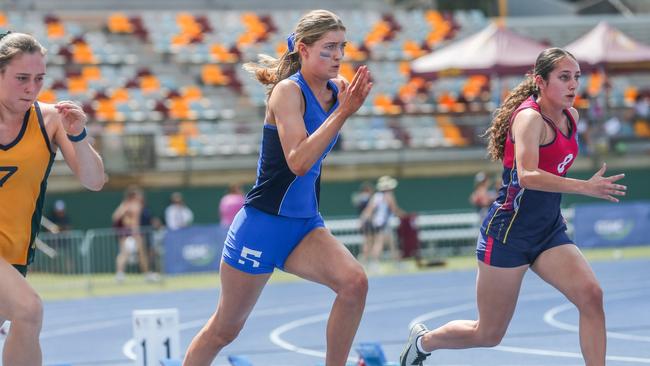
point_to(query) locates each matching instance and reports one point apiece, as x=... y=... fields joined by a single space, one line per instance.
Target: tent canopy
x=608 y=47
x=494 y=50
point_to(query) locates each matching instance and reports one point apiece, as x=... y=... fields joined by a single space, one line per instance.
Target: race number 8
x=562 y=166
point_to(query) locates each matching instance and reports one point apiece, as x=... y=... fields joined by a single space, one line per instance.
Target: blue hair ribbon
x=291 y=41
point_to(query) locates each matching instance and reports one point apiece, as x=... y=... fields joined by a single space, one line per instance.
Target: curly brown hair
x=311 y=27
x=498 y=130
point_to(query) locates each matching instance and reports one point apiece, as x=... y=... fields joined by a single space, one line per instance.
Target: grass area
x=59 y=286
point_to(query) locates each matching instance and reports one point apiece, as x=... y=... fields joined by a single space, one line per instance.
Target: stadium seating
x=193 y=73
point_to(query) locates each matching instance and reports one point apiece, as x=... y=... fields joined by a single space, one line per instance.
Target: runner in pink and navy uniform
x=534 y=134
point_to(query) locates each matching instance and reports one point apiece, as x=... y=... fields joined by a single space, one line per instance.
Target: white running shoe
x=411 y=356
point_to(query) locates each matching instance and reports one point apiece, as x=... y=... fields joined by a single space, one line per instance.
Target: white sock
x=418 y=344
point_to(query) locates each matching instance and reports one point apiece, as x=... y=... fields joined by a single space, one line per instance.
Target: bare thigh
x=14 y=288
x=321 y=258
x=497 y=292
x=239 y=293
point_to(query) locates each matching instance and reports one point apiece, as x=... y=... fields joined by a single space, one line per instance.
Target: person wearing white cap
x=378 y=212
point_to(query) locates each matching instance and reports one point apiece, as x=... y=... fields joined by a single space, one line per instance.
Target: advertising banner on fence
x=194 y=249
x=612 y=224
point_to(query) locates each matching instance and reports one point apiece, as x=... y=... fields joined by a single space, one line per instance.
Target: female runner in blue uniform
x=534 y=133
x=280 y=225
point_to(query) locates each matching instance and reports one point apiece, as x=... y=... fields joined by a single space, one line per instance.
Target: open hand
x=351 y=97
x=603 y=187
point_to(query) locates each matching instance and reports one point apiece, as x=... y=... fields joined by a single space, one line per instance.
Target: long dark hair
x=498 y=130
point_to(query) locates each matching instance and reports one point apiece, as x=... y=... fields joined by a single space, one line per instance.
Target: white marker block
x=156 y=334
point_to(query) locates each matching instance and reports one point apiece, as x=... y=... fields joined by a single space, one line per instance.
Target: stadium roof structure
x=607 y=47
x=495 y=50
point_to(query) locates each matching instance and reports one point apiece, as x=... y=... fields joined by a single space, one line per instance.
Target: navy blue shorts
x=493 y=252
x=258 y=242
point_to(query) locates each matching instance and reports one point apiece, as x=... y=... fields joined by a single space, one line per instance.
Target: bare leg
x=22 y=306
x=122 y=257
x=239 y=293
x=321 y=258
x=142 y=254
x=378 y=245
x=497 y=290
x=367 y=245
x=565 y=268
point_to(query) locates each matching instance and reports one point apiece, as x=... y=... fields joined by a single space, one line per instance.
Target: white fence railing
x=84 y=261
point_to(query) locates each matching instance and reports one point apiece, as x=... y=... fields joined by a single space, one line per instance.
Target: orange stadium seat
x=255 y=29
x=179 y=108
x=82 y=53
x=642 y=129
x=47 y=96
x=120 y=94
x=91 y=73
x=105 y=110
x=451 y=131
x=595 y=83
x=221 y=54
x=191 y=30
x=119 y=23
x=630 y=94
x=347 y=71
x=77 y=85
x=213 y=75
x=55 y=30
x=149 y=84
x=191 y=93
x=385 y=105
x=354 y=53
x=178 y=144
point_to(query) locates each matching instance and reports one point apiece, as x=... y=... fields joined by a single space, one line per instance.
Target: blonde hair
x=14 y=44
x=498 y=130
x=311 y=27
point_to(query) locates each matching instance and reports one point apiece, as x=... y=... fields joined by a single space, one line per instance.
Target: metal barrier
x=83 y=263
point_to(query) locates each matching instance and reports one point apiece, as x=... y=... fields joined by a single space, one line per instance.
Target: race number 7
x=10 y=170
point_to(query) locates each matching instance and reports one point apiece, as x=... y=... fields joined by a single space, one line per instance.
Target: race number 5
x=562 y=166
x=6 y=172
x=247 y=253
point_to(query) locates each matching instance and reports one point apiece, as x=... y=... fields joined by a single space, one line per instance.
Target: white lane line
x=128 y=349
x=84 y=328
x=276 y=334
x=544 y=352
x=549 y=318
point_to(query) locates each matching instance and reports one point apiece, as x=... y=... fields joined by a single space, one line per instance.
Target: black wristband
x=79 y=137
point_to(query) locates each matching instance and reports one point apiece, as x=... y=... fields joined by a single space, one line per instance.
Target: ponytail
x=498 y=130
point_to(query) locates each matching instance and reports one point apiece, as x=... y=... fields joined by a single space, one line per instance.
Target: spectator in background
x=126 y=219
x=61 y=243
x=482 y=196
x=230 y=204
x=177 y=214
x=155 y=248
x=360 y=201
x=59 y=216
x=379 y=211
